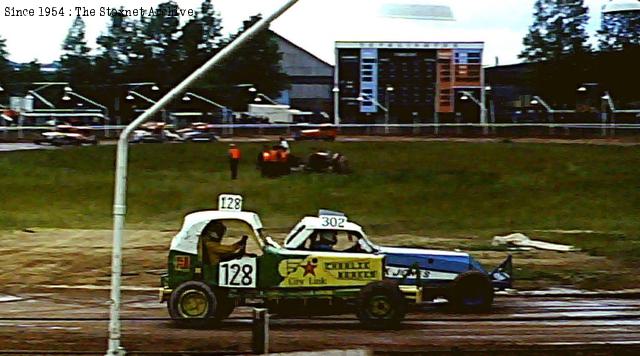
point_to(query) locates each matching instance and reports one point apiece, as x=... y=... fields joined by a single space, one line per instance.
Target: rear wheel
x=192 y=304
x=381 y=305
x=471 y=292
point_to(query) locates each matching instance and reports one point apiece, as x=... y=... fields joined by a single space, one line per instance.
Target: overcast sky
x=312 y=24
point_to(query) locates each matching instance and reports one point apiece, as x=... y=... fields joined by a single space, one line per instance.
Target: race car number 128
x=239 y=273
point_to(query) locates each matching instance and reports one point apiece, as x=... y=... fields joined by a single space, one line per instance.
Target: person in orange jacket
x=234 y=160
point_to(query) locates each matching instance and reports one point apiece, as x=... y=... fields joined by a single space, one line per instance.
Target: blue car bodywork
x=439 y=270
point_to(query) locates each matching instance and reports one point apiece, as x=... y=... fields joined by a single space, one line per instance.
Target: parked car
x=154 y=132
x=326 y=132
x=64 y=135
x=198 y=132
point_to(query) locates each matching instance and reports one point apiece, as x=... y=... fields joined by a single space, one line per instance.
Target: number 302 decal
x=239 y=273
x=333 y=221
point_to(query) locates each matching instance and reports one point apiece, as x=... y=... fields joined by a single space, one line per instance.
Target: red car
x=326 y=132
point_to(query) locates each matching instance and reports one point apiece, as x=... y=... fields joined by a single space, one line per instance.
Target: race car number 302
x=240 y=273
x=333 y=221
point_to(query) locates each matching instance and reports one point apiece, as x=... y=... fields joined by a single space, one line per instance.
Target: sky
x=311 y=24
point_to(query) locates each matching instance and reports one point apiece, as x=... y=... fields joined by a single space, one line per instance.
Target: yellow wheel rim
x=380 y=306
x=193 y=304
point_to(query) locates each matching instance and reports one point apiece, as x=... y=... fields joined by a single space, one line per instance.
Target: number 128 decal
x=239 y=273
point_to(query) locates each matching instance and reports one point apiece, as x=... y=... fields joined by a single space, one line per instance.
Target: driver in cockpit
x=212 y=235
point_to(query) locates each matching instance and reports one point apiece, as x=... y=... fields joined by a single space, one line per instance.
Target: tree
x=256 y=62
x=75 y=60
x=200 y=38
x=619 y=30
x=5 y=67
x=162 y=31
x=31 y=72
x=558 y=29
x=114 y=48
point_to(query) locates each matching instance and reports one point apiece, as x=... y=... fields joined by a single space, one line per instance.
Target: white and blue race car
x=455 y=276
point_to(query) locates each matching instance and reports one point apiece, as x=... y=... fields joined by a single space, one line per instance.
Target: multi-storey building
x=413 y=81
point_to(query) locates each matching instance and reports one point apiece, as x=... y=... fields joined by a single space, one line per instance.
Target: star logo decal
x=309 y=268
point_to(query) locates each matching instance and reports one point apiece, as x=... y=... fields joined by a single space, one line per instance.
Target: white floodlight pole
x=483 y=108
x=384 y=108
x=119 y=205
x=93 y=102
x=336 y=105
x=273 y=102
x=148 y=100
x=220 y=106
x=41 y=98
x=225 y=110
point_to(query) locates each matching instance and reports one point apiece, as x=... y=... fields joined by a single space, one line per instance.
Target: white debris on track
x=520 y=240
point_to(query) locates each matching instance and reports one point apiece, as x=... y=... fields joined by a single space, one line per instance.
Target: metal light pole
x=362 y=97
x=106 y=110
x=120 y=193
x=389 y=90
x=225 y=110
x=336 y=105
x=483 y=108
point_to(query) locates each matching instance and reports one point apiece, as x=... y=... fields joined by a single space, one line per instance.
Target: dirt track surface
x=38 y=312
x=78 y=319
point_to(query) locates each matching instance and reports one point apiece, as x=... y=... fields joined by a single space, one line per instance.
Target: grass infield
x=420 y=188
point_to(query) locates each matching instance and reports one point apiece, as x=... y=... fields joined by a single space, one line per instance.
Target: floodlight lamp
x=618 y=6
x=534 y=102
x=130 y=97
x=68 y=89
x=66 y=98
x=335 y=90
x=252 y=90
x=488 y=88
x=155 y=88
x=360 y=98
x=186 y=98
x=464 y=97
x=257 y=100
x=606 y=97
x=390 y=88
x=1 y=88
x=582 y=89
x=417 y=12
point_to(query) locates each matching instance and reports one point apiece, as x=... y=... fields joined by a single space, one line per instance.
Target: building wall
x=415 y=81
x=311 y=79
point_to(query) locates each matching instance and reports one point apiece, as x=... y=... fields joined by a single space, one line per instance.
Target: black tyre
x=471 y=292
x=193 y=304
x=381 y=305
x=341 y=165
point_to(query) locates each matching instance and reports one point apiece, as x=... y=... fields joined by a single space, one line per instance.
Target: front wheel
x=471 y=292
x=381 y=305
x=192 y=304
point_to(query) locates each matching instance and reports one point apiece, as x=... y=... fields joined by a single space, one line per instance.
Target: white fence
x=419 y=129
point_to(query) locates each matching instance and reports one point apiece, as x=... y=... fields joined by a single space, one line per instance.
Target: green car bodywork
x=197 y=290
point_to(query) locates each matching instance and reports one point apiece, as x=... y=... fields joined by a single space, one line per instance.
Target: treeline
x=159 y=49
x=559 y=42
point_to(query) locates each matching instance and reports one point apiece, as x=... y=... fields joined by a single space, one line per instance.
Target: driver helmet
x=214 y=230
x=327 y=237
